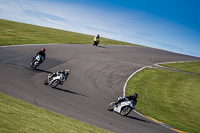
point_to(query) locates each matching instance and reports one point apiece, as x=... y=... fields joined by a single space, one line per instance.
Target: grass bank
x=168 y=96
x=15 y=33
x=19 y=116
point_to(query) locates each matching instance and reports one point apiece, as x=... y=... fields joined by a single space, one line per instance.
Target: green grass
x=193 y=67
x=19 y=116
x=168 y=96
x=15 y=33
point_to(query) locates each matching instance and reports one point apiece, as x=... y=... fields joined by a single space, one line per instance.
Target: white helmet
x=67 y=71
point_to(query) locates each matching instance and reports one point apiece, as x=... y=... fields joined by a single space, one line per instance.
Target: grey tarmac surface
x=97 y=78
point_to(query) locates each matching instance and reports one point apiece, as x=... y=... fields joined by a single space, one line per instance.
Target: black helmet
x=135 y=95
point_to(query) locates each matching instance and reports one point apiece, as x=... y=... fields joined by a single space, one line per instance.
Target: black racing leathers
x=42 y=53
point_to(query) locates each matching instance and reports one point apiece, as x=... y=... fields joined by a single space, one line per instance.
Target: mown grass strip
x=193 y=67
x=167 y=96
x=15 y=33
x=19 y=116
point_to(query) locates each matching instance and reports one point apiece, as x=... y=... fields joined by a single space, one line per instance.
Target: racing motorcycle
x=55 y=81
x=37 y=61
x=123 y=108
x=96 y=42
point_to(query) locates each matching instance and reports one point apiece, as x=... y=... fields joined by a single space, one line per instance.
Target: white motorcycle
x=123 y=108
x=55 y=81
x=37 y=61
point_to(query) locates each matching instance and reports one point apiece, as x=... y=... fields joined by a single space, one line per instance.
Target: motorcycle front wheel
x=46 y=82
x=95 y=43
x=125 y=110
x=55 y=83
x=34 y=64
x=111 y=106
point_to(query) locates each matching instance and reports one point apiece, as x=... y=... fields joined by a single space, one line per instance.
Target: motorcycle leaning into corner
x=96 y=40
x=96 y=43
x=37 y=61
x=124 y=106
x=55 y=79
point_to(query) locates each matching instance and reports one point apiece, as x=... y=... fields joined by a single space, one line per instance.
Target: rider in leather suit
x=65 y=73
x=42 y=53
x=129 y=98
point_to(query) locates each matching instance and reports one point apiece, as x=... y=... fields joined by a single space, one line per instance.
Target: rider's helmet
x=67 y=71
x=43 y=49
x=135 y=95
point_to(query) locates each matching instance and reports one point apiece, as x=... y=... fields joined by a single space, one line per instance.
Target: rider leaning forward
x=97 y=39
x=129 y=98
x=64 y=72
x=42 y=53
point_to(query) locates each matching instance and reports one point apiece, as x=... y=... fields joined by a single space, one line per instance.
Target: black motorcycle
x=96 y=42
x=37 y=61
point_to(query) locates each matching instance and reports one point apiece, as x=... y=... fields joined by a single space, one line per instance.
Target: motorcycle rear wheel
x=95 y=43
x=34 y=65
x=46 y=82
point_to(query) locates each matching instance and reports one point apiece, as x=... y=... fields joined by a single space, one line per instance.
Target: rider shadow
x=69 y=92
x=101 y=47
x=40 y=70
x=135 y=118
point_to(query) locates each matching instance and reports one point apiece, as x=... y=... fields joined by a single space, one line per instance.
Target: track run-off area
x=97 y=77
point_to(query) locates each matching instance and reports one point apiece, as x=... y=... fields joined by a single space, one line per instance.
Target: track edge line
x=147 y=117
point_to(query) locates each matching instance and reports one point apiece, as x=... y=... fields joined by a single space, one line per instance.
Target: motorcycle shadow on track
x=101 y=47
x=135 y=118
x=40 y=70
x=68 y=91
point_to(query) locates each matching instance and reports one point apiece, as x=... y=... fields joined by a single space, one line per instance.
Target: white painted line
x=124 y=91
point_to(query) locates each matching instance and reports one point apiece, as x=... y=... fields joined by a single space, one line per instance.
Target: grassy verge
x=193 y=67
x=168 y=96
x=14 y=33
x=19 y=116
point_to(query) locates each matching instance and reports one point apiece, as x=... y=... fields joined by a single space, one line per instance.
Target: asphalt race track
x=97 y=78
